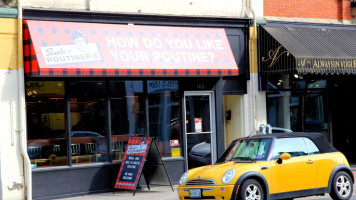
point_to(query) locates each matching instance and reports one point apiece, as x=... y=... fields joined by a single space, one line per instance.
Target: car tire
x=342 y=186
x=251 y=189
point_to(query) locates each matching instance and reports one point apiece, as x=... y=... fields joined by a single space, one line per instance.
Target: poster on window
x=198 y=124
x=174 y=143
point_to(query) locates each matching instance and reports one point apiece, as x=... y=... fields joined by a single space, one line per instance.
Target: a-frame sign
x=142 y=157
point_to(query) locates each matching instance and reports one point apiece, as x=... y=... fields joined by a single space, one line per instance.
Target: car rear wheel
x=251 y=190
x=342 y=187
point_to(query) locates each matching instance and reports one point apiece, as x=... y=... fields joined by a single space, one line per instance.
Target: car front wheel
x=251 y=190
x=342 y=187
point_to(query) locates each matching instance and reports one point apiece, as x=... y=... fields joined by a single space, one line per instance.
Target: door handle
x=310 y=161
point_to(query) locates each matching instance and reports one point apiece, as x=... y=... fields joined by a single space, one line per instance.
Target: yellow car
x=272 y=166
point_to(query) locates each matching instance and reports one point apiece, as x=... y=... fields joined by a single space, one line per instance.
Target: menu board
x=141 y=157
x=132 y=164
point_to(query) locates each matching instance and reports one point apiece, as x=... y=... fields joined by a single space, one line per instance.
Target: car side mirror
x=283 y=156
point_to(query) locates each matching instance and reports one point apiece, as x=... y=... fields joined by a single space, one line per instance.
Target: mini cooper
x=272 y=166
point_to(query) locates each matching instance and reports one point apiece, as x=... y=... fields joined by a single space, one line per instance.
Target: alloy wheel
x=252 y=192
x=343 y=186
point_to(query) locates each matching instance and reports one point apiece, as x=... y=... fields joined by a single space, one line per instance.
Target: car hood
x=217 y=171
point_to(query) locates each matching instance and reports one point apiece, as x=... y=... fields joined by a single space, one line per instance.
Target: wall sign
x=77 y=47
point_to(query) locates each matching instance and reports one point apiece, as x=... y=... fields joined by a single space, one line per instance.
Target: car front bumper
x=222 y=192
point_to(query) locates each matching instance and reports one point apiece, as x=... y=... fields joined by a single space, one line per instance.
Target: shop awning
x=53 y=48
x=307 y=50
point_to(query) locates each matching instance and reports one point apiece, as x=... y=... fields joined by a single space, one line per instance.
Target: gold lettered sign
x=326 y=63
x=274 y=55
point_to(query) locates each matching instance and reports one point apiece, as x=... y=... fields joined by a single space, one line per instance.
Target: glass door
x=199 y=129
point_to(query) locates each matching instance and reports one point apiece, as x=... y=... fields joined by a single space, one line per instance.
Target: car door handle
x=310 y=161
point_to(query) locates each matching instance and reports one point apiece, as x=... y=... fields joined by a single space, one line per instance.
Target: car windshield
x=249 y=150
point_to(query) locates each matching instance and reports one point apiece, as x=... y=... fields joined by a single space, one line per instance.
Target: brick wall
x=318 y=9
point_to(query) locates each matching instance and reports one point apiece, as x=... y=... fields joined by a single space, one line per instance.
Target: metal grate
x=196 y=182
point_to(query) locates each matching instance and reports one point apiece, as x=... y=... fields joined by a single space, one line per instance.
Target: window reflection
x=46 y=123
x=88 y=122
x=164 y=116
x=315 y=113
x=298 y=110
x=197 y=113
x=127 y=114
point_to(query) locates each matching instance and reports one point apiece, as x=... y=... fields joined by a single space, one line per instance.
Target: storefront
x=308 y=73
x=94 y=80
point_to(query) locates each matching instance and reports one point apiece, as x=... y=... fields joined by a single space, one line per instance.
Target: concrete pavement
x=156 y=193
x=163 y=193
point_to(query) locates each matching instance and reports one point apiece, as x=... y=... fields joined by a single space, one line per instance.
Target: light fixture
x=33 y=87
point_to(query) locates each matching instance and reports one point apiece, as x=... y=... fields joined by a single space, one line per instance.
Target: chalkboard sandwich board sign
x=141 y=157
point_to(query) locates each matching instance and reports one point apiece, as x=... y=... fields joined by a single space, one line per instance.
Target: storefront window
x=88 y=113
x=164 y=116
x=127 y=114
x=294 y=82
x=46 y=123
x=316 y=113
x=133 y=106
x=298 y=111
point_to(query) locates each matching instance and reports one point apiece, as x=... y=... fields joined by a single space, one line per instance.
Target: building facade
x=70 y=100
x=306 y=66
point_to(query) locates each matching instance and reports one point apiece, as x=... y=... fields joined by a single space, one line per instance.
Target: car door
x=297 y=173
x=324 y=162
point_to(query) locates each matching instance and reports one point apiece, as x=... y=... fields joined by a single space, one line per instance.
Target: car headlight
x=183 y=178
x=228 y=176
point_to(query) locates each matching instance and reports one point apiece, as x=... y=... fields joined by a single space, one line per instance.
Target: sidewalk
x=156 y=193
x=165 y=193
x=161 y=193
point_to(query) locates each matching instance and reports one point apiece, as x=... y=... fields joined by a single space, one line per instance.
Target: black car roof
x=318 y=138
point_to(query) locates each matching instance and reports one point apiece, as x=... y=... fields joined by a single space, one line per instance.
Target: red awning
x=54 y=48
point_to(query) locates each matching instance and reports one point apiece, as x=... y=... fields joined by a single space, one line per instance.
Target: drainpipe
x=253 y=14
x=21 y=108
x=253 y=38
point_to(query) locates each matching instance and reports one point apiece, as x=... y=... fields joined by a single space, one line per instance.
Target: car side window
x=312 y=148
x=294 y=146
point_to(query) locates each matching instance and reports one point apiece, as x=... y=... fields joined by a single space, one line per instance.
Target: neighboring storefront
x=93 y=80
x=308 y=73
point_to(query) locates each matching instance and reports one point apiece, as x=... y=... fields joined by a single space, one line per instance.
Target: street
x=161 y=193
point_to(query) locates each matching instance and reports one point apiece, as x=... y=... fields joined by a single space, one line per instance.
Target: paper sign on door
x=198 y=124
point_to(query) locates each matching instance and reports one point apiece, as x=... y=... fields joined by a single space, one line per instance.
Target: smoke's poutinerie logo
x=79 y=52
x=141 y=148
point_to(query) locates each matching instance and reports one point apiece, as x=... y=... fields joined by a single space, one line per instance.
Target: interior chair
x=118 y=150
x=57 y=149
x=90 y=149
x=75 y=148
x=34 y=152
